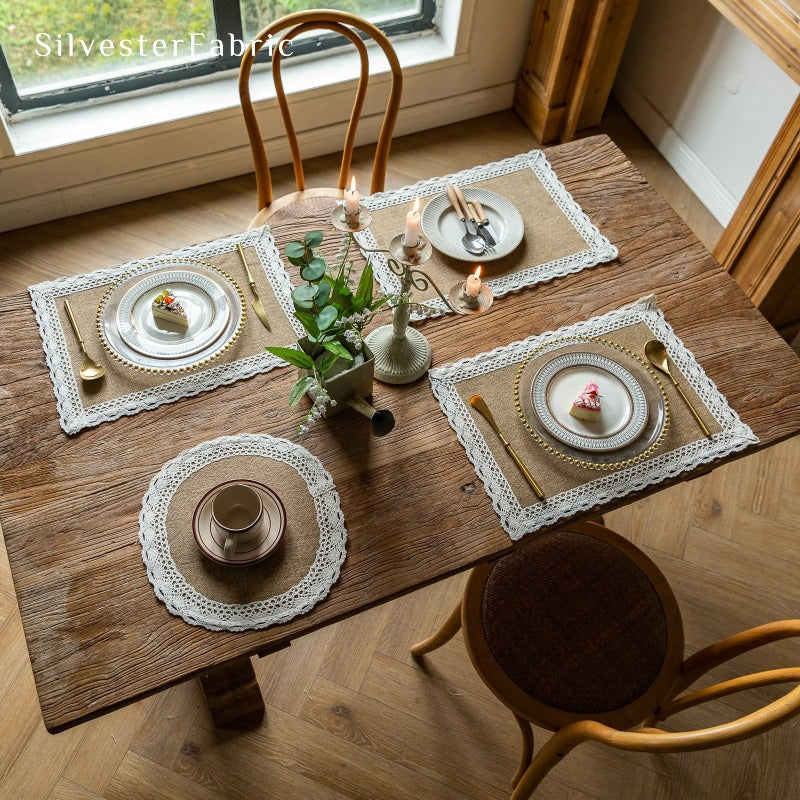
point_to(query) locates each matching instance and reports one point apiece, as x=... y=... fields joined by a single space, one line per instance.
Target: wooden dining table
x=415 y=512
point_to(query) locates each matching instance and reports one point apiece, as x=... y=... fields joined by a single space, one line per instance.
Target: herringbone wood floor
x=349 y=713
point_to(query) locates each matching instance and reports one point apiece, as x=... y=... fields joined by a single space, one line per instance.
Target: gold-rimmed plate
x=557 y=383
x=213 y=301
x=641 y=430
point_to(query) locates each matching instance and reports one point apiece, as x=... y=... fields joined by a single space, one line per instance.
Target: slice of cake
x=166 y=307
x=586 y=405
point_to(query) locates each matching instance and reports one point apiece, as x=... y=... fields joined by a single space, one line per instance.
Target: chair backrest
x=651 y=739
x=349 y=26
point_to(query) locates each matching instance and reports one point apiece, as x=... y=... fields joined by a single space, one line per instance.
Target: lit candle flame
x=353 y=184
x=478 y=271
x=415 y=206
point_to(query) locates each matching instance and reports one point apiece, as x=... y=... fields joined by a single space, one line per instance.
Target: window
x=61 y=52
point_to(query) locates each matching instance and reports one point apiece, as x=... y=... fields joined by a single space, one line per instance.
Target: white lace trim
x=184 y=600
x=73 y=415
x=599 y=249
x=516 y=520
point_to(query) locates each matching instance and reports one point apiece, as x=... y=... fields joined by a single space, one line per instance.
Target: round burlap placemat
x=290 y=581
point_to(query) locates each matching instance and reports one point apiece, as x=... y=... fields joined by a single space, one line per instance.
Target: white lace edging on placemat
x=72 y=414
x=518 y=520
x=599 y=249
x=185 y=601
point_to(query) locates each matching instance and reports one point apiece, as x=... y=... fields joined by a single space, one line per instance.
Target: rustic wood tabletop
x=415 y=511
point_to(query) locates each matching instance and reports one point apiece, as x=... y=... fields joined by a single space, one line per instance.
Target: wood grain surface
x=96 y=634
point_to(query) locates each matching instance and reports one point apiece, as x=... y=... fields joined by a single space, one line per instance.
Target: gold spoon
x=657 y=355
x=479 y=404
x=90 y=369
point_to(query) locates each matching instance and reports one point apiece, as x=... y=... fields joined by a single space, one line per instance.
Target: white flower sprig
x=317 y=410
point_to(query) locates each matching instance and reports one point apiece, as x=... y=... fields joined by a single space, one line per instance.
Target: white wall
x=705 y=95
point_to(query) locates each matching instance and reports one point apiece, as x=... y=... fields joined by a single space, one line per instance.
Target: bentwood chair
x=578 y=631
x=293 y=25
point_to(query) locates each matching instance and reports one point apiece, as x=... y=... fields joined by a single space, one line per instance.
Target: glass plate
x=624 y=405
x=213 y=302
x=656 y=425
x=444 y=230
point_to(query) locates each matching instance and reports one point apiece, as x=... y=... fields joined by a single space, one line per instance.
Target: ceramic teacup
x=237 y=511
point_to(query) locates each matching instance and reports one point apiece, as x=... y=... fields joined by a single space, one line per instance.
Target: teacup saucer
x=211 y=539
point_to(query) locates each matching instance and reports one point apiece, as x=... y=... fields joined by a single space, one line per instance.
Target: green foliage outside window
x=21 y=22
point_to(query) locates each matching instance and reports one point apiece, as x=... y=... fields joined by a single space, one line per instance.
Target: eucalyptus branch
x=333 y=314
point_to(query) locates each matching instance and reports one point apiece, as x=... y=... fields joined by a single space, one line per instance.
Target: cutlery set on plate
x=479 y=226
x=478 y=237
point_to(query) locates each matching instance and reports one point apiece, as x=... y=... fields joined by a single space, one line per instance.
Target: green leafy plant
x=333 y=316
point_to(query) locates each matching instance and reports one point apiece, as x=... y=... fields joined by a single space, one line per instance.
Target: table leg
x=233 y=696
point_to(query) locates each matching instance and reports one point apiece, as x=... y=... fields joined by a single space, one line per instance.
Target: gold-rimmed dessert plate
x=550 y=378
x=624 y=408
x=213 y=303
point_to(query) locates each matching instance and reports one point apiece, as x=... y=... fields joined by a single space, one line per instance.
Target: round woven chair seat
x=574 y=623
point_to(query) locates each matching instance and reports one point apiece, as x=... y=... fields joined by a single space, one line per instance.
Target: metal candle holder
x=402 y=353
x=465 y=303
x=344 y=221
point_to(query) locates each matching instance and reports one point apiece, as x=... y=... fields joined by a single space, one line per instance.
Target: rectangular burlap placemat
x=567 y=486
x=124 y=390
x=559 y=238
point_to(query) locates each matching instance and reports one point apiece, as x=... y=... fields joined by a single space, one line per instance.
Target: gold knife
x=258 y=306
x=479 y=404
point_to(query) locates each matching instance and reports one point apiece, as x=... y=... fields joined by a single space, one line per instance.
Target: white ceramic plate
x=203 y=300
x=624 y=405
x=444 y=230
x=213 y=303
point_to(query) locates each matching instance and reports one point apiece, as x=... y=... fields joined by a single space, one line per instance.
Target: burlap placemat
x=569 y=487
x=559 y=238
x=125 y=390
x=289 y=581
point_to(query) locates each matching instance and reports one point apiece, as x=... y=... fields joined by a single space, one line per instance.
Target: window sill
x=78 y=159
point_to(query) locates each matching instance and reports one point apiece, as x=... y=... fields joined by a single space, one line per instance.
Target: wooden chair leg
x=527 y=749
x=551 y=752
x=233 y=695
x=450 y=628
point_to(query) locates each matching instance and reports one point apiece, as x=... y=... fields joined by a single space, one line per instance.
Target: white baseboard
x=195 y=171
x=680 y=156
